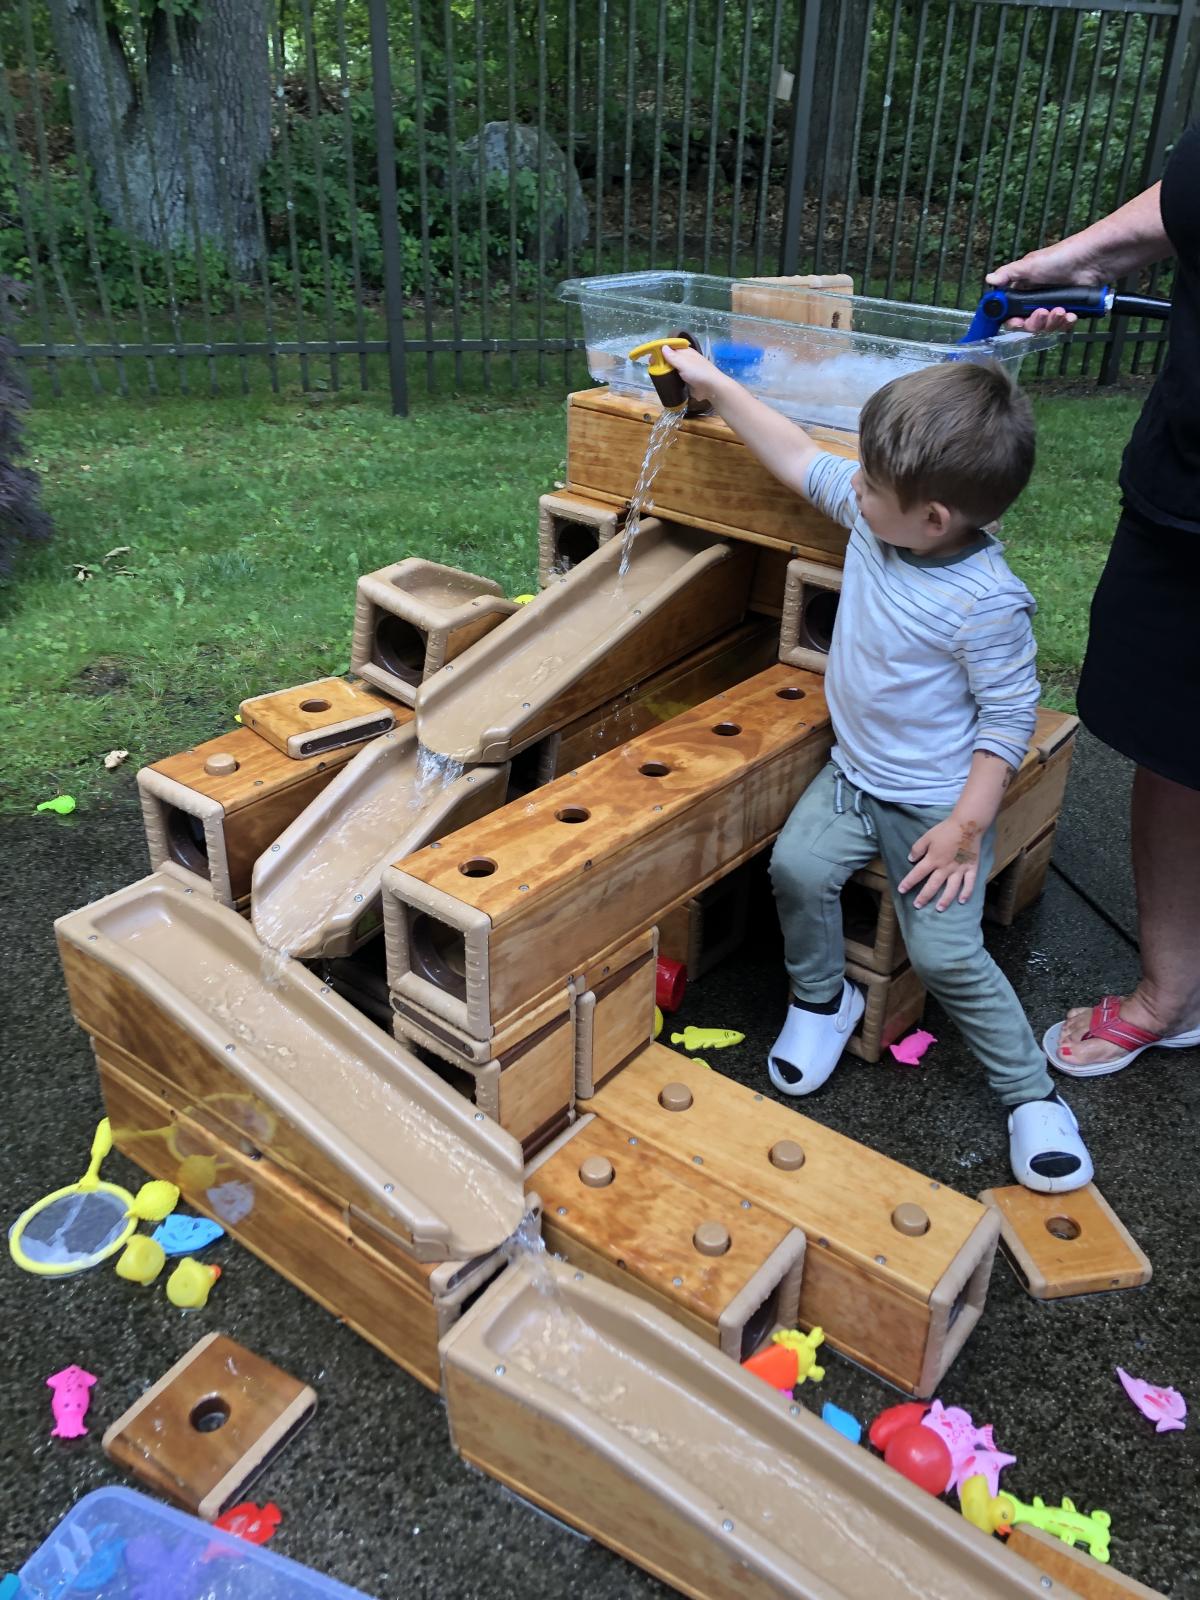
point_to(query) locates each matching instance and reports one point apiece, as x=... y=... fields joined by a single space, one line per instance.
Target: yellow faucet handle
x=654 y=349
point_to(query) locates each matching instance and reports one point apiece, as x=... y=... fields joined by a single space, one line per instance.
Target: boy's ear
x=938 y=519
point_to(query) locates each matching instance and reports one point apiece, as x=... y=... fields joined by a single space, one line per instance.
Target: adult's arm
x=1128 y=238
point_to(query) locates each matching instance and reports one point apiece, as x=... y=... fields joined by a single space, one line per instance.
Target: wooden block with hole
x=215 y=808
x=1061 y=1245
x=1021 y=884
x=659 y=1227
x=614 y=1013
x=485 y=926
x=210 y=1426
x=335 y=1256
x=708 y=478
x=895 y=1002
x=1079 y=1574
x=316 y=717
x=414 y=616
x=571 y=527
x=810 y=602
x=704 y=930
x=897 y=1265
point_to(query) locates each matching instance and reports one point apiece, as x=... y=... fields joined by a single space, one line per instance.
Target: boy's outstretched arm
x=783 y=447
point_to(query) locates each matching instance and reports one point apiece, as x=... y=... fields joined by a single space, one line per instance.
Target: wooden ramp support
x=402 y=1306
x=665 y=1231
x=503 y=912
x=315 y=717
x=583 y=640
x=180 y=984
x=214 y=809
x=316 y=889
x=607 y=1413
x=708 y=478
x=570 y=529
x=414 y=616
x=897 y=1266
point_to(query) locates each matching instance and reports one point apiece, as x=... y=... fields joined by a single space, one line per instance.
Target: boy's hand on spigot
x=697 y=371
x=947 y=860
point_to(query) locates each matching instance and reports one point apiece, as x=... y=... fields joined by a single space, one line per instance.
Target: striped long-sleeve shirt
x=932 y=657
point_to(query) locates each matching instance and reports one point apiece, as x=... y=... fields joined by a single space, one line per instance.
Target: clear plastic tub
x=120 y=1545
x=815 y=355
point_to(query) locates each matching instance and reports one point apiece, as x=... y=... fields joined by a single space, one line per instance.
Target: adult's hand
x=1070 y=261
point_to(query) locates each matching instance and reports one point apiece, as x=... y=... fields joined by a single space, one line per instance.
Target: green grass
x=248 y=520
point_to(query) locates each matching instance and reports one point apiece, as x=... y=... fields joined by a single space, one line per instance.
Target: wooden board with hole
x=1066 y=1244
x=708 y=477
x=897 y=1266
x=537 y=888
x=1079 y=1574
x=317 y=717
x=662 y=1229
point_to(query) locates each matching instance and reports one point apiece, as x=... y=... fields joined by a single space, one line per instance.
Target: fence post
x=1163 y=129
x=797 y=167
x=389 y=222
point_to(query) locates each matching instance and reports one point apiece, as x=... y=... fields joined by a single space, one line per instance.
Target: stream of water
x=666 y=426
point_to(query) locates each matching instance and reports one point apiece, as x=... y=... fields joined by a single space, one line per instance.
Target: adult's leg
x=1166 y=869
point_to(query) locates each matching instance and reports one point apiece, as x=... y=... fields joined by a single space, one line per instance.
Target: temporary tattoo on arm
x=1008 y=771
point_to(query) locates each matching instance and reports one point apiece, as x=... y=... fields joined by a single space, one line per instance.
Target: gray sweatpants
x=833 y=830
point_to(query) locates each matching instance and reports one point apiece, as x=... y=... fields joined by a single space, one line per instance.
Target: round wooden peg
x=910 y=1219
x=675 y=1097
x=596 y=1172
x=712 y=1239
x=220 y=764
x=787 y=1155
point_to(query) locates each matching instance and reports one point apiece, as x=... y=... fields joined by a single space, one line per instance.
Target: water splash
x=528 y=1246
x=666 y=426
x=434 y=773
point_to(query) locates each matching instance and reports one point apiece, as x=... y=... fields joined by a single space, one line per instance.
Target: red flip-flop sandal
x=1107 y=1023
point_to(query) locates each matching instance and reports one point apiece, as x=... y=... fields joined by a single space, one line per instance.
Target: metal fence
x=322 y=193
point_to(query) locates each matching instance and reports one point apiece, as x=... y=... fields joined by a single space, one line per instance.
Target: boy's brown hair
x=961 y=433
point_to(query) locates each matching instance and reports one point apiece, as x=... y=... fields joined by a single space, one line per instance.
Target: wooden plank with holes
x=1079 y=1573
x=662 y=1229
x=570 y=869
x=314 y=718
x=303 y=1237
x=897 y=1266
x=708 y=477
x=1066 y=1244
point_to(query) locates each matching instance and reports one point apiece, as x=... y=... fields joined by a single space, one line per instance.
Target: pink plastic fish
x=72 y=1396
x=910 y=1049
x=972 y=1450
x=1165 y=1407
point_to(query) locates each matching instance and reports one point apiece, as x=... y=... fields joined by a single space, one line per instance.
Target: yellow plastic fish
x=707 y=1038
x=658 y=1022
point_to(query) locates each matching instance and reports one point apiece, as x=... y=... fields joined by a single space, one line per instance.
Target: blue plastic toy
x=842 y=1422
x=181 y=1235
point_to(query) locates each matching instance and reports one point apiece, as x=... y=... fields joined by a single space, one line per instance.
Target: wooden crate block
x=584 y=1400
x=537 y=888
x=615 y=1017
x=570 y=528
x=312 y=718
x=895 y=1003
x=1079 y=1573
x=414 y=616
x=210 y=1426
x=810 y=602
x=784 y=300
x=704 y=930
x=332 y=1254
x=900 y=1303
x=708 y=478
x=663 y=1230
x=1022 y=882
x=215 y=808
x=1067 y=1244
x=871 y=929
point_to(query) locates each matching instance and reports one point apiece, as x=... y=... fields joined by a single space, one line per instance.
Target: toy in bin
x=120 y=1545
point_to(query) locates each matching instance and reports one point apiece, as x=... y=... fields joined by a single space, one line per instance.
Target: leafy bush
x=21 y=517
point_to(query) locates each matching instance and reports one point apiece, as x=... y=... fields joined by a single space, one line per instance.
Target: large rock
x=562 y=195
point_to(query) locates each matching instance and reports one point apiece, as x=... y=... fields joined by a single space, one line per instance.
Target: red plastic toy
x=670 y=980
x=255 y=1524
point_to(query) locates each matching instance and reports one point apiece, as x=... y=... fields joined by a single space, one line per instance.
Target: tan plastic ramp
x=316 y=890
x=607 y=1413
x=160 y=955
x=584 y=640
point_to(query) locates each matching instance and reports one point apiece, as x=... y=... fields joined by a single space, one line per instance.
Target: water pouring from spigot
x=670 y=387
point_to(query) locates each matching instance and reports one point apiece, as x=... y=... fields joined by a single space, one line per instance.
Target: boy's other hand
x=947 y=863
x=697 y=371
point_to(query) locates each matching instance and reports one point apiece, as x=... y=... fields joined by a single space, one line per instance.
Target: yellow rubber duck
x=190 y=1285
x=142 y=1259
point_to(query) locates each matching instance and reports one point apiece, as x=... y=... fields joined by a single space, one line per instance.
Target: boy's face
x=927 y=526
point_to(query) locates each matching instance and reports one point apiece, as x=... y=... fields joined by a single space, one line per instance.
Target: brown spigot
x=669 y=386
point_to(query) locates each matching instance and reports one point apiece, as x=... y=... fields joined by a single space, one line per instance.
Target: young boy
x=932 y=690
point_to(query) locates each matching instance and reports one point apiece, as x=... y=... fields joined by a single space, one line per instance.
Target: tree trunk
x=835 y=97
x=173 y=153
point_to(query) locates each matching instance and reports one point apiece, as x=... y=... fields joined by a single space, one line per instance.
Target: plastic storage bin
x=119 y=1545
x=815 y=355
